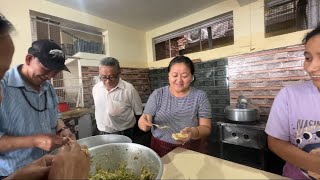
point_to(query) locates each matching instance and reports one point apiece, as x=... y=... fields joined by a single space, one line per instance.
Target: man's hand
x=67 y=133
x=64 y=130
x=71 y=162
x=37 y=170
x=47 y=141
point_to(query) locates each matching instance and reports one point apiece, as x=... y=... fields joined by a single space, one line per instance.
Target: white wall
x=124 y=43
x=248 y=32
x=135 y=49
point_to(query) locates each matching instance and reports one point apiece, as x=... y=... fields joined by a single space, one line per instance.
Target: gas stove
x=244 y=143
x=247 y=134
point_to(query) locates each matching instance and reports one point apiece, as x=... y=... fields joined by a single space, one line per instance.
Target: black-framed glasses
x=110 y=78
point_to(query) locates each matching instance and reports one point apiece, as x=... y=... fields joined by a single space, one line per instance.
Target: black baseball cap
x=49 y=53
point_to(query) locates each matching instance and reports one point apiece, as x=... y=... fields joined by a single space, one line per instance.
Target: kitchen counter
x=79 y=121
x=186 y=164
x=74 y=113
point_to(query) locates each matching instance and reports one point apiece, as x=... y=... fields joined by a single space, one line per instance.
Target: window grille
x=209 y=34
x=286 y=16
x=71 y=40
x=70 y=87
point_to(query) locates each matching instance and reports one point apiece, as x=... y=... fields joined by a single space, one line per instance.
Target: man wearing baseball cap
x=29 y=125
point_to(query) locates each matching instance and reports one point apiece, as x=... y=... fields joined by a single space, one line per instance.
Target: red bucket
x=63 y=106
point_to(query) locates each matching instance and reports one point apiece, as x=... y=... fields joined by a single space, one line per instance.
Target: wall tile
x=261 y=75
x=220 y=72
x=298 y=53
x=282 y=55
x=298 y=63
x=220 y=62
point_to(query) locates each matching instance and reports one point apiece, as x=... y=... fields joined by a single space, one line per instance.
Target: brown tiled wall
x=138 y=77
x=261 y=75
x=88 y=73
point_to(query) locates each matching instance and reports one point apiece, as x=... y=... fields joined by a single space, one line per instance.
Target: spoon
x=161 y=127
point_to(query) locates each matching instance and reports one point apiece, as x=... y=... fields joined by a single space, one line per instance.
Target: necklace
x=39 y=110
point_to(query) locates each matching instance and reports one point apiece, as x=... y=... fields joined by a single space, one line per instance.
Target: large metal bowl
x=110 y=156
x=93 y=141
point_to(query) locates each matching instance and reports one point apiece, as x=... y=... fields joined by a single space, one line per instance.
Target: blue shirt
x=18 y=118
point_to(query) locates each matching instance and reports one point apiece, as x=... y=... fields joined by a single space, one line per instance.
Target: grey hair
x=110 y=61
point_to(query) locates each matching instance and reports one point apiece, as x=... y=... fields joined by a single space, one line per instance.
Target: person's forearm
x=294 y=155
x=200 y=132
x=10 y=143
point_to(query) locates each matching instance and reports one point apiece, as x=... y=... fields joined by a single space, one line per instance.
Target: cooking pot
x=242 y=115
x=136 y=156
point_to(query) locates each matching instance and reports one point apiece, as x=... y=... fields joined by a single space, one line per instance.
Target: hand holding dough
x=178 y=136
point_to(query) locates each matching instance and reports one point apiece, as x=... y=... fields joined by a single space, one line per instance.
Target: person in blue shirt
x=69 y=158
x=29 y=125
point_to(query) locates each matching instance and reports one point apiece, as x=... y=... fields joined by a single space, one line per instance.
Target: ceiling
x=142 y=15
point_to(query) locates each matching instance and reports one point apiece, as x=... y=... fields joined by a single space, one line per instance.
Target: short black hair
x=182 y=59
x=5 y=26
x=310 y=34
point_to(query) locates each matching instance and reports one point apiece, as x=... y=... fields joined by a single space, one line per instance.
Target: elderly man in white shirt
x=116 y=101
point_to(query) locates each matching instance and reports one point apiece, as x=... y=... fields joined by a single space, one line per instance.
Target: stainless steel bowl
x=109 y=156
x=93 y=141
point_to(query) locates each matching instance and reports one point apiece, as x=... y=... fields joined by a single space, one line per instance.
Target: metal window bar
x=285 y=16
x=189 y=40
x=72 y=95
x=171 y=35
x=69 y=90
x=79 y=44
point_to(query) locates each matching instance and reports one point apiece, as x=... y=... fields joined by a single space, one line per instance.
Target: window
x=72 y=39
x=209 y=34
x=286 y=16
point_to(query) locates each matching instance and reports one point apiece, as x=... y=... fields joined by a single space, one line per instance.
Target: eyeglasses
x=110 y=78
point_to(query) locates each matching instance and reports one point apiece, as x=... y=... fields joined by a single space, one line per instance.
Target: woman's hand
x=145 y=122
x=71 y=162
x=189 y=132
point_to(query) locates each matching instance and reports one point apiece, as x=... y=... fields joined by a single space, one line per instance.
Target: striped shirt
x=175 y=112
x=17 y=118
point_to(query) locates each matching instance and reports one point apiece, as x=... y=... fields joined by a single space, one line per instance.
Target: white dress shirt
x=115 y=110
